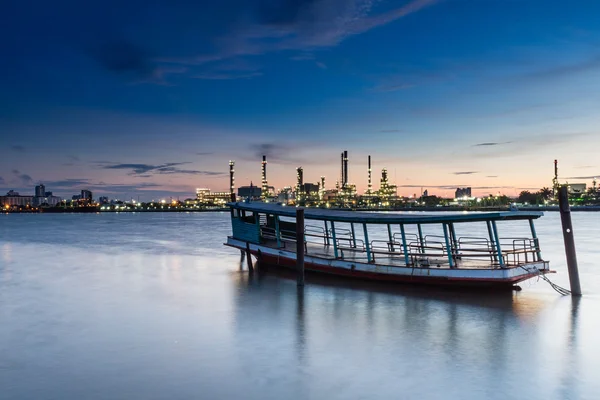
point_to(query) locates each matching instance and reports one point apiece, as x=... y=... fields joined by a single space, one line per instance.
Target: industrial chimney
x=345 y=183
x=231 y=180
x=265 y=187
x=369 y=185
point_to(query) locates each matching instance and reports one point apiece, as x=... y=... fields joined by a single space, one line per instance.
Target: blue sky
x=152 y=99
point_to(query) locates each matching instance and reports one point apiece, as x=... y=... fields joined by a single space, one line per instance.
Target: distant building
x=251 y=191
x=103 y=200
x=40 y=190
x=425 y=193
x=208 y=198
x=48 y=201
x=14 y=199
x=462 y=192
x=86 y=196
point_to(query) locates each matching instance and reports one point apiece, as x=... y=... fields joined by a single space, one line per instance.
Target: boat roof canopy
x=324 y=214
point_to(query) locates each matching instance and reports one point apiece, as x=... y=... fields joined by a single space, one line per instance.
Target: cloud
x=204 y=153
x=20 y=178
x=18 y=148
x=392 y=87
x=465 y=172
x=491 y=176
x=1 y=180
x=145 y=170
x=583 y=177
x=490 y=144
x=125 y=58
x=556 y=72
x=219 y=76
x=321 y=65
x=274 y=152
x=302 y=25
x=303 y=57
x=390 y=130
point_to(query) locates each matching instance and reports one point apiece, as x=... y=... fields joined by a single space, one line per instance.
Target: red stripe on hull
x=374 y=276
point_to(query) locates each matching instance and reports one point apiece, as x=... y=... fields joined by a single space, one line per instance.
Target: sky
x=151 y=99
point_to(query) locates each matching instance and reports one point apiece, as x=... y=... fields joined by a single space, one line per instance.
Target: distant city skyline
x=132 y=99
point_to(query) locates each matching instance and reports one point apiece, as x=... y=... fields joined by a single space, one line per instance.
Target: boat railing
x=519 y=250
x=431 y=250
x=316 y=232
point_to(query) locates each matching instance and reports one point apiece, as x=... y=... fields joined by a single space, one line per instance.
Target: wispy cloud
x=560 y=71
x=465 y=172
x=17 y=148
x=321 y=65
x=20 y=178
x=303 y=57
x=145 y=170
x=584 y=177
x=390 y=130
x=220 y=76
x=304 y=26
x=125 y=58
x=490 y=144
x=1 y=180
x=393 y=87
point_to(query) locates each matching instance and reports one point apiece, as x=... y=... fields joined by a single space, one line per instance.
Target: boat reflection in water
x=359 y=333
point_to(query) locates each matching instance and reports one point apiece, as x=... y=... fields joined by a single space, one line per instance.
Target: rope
x=560 y=290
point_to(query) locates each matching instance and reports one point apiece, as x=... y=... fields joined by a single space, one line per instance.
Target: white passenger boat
x=410 y=248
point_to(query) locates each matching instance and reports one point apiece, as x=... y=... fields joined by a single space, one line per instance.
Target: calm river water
x=153 y=306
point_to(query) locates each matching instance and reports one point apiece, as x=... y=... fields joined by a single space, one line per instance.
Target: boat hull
x=491 y=278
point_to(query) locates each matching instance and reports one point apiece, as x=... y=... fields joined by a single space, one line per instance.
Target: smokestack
x=345 y=183
x=265 y=187
x=556 y=169
x=231 y=180
x=342 y=178
x=370 y=185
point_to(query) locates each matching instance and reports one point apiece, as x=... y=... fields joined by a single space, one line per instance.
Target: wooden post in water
x=249 y=258
x=300 y=246
x=567 y=228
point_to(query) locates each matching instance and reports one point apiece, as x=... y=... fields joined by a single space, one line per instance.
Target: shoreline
x=226 y=209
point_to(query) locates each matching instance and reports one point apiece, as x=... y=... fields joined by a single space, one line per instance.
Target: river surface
x=153 y=306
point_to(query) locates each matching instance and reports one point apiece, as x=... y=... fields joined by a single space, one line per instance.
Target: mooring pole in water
x=567 y=228
x=300 y=246
x=249 y=258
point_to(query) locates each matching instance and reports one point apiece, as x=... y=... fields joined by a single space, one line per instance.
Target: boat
x=413 y=248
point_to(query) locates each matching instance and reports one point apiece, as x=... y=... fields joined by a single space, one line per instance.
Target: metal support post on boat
x=300 y=246
x=404 y=247
x=390 y=238
x=492 y=240
x=326 y=234
x=497 y=243
x=335 y=249
x=448 y=246
x=422 y=245
x=249 y=258
x=367 y=244
x=536 y=241
x=567 y=228
x=353 y=234
x=454 y=239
